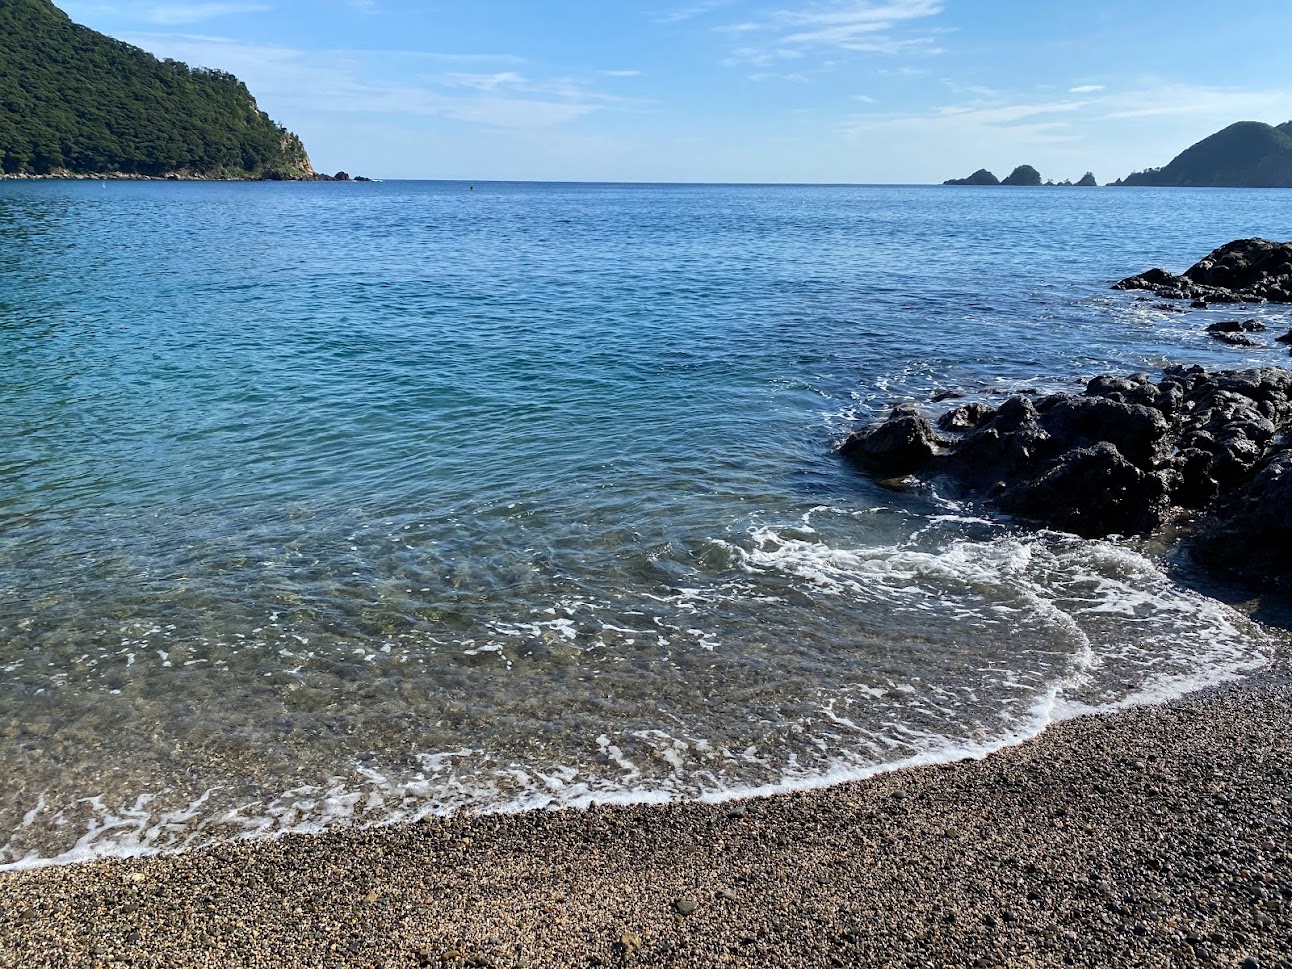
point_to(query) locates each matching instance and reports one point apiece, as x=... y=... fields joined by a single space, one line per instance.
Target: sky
x=854 y=91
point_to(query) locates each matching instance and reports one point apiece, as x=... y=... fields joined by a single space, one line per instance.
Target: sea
x=349 y=504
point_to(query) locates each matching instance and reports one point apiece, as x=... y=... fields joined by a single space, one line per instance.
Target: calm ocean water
x=351 y=503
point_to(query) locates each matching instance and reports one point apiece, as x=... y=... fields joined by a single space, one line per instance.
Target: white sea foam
x=1126 y=636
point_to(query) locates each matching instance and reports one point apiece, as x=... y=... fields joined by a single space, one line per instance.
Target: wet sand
x=1158 y=836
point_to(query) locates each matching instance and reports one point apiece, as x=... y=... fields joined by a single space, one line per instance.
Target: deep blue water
x=355 y=502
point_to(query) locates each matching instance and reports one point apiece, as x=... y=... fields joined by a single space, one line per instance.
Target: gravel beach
x=1158 y=836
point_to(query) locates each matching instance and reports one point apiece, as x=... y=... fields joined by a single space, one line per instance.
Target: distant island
x=1022 y=175
x=1248 y=154
x=75 y=102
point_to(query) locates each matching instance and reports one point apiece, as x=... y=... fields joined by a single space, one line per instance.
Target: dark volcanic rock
x=1243 y=271
x=1121 y=458
x=902 y=444
x=1250 y=531
x=1137 y=431
x=1091 y=491
x=1237 y=326
x=965 y=417
x=1007 y=443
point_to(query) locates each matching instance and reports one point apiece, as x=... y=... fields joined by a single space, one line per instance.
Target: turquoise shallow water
x=324 y=503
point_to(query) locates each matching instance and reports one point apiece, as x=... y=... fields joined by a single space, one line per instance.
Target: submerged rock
x=1123 y=457
x=1236 y=332
x=1243 y=271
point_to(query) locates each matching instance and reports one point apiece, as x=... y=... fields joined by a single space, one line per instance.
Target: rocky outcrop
x=1023 y=175
x=1124 y=457
x=1087 y=181
x=1243 y=271
x=1250 y=532
x=902 y=444
x=980 y=177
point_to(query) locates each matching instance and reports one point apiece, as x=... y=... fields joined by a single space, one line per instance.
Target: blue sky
x=733 y=90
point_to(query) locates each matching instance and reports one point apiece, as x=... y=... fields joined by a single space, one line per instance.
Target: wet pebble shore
x=1158 y=836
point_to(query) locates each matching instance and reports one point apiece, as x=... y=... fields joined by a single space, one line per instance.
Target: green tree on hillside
x=73 y=99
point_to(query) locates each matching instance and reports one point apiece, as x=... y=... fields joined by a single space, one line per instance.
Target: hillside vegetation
x=1248 y=154
x=74 y=100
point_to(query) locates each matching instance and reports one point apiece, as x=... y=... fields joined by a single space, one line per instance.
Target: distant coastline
x=172 y=177
x=1247 y=154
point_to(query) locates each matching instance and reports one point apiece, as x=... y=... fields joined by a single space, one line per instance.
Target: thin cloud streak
x=349 y=82
x=173 y=14
x=856 y=26
x=682 y=14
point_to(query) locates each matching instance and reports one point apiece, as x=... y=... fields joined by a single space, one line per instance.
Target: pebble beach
x=1155 y=836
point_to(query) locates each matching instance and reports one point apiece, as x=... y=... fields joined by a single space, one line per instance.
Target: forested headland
x=1247 y=154
x=75 y=101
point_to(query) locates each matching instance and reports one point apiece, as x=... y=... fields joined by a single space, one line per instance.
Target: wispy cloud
x=1166 y=100
x=620 y=73
x=483 y=82
x=691 y=12
x=857 y=26
x=172 y=14
x=1086 y=89
x=792 y=77
x=376 y=82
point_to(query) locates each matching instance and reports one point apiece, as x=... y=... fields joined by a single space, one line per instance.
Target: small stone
x=630 y=942
x=1251 y=962
x=739 y=811
x=727 y=894
x=684 y=905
